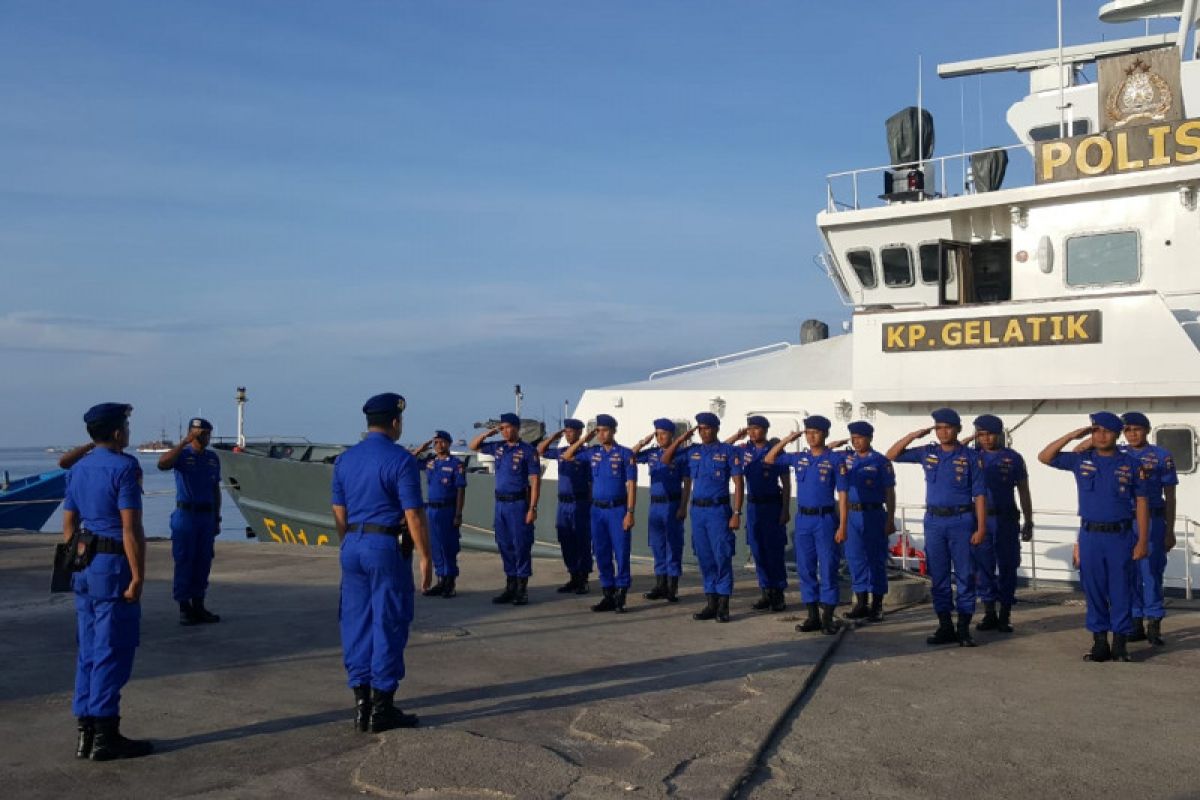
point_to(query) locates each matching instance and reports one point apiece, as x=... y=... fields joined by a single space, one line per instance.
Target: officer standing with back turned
x=379 y=515
x=104 y=500
x=195 y=522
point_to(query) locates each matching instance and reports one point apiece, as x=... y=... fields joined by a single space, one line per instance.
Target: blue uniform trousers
x=611 y=543
x=947 y=543
x=1107 y=571
x=514 y=539
x=376 y=610
x=574 y=525
x=666 y=538
x=192 y=546
x=107 y=632
x=818 y=558
x=866 y=551
x=1004 y=533
x=444 y=541
x=714 y=545
x=768 y=544
x=1148 y=581
x=983 y=556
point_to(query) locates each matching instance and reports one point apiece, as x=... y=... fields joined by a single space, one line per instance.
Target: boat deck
x=551 y=700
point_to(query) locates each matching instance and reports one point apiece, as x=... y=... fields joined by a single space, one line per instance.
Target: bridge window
x=897 y=266
x=1181 y=444
x=1103 y=258
x=863 y=264
x=928 y=254
x=1046 y=133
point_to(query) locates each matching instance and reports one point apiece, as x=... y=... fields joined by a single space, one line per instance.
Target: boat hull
x=29 y=502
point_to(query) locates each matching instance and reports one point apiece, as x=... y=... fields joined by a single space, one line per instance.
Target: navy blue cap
x=758 y=421
x=510 y=418
x=606 y=421
x=664 y=424
x=573 y=424
x=383 y=404
x=1136 y=418
x=861 y=428
x=709 y=419
x=201 y=423
x=1107 y=419
x=946 y=416
x=107 y=412
x=817 y=423
x=989 y=423
x=443 y=436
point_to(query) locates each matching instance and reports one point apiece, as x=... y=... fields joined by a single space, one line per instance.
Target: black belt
x=949 y=511
x=866 y=506
x=112 y=547
x=1003 y=512
x=441 y=503
x=701 y=503
x=1159 y=513
x=509 y=498
x=665 y=498
x=573 y=498
x=1106 y=527
x=367 y=527
x=195 y=506
x=765 y=500
x=610 y=503
x=815 y=511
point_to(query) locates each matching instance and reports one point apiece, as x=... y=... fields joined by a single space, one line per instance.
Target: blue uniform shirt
x=762 y=479
x=444 y=477
x=865 y=478
x=1108 y=485
x=197 y=476
x=376 y=480
x=514 y=464
x=574 y=476
x=1003 y=469
x=1158 y=470
x=611 y=468
x=102 y=485
x=666 y=480
x=711 y=466
x=952 y=478
x=816 y=476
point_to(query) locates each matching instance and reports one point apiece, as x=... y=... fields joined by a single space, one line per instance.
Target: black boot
x=201 y=613
x=763 y=602
x=876 y=614
x=385 y=715
x=813 y=622
x=659 y=592
x=581 y=587
x=186 y=615
x=710 y=609
x=945 y=633
x=964 y=630
x=108 y=744
x=437 y=589
x=829 y=623
x=1100 y=650
x=510 y=591
x=1154 y=632
x=620 y=601
x=448 y=589
x=860 y=610
x=521 y=597
x=362 y=708
x=83 y=744
x=1119 y=651
x=989 y=621
x=608 y=602
x=1004 y=621
x=723 y=608
x=570 y=585
x=673 y=589
x=778 y=602
x=1139 y=631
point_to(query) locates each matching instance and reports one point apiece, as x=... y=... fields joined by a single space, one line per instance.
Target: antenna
x=920 y=120
x=519 y=397
x=1062 y=88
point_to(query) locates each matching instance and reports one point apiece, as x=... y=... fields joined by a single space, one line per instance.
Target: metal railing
x=940 y=167
x=719 y=360
x=910 y=521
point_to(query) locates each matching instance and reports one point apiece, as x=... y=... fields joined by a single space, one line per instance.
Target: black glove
x=1027 y=531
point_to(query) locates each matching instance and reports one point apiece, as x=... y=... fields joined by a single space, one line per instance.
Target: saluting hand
x=836 y=443
x=921 y=432
x=1079 y=433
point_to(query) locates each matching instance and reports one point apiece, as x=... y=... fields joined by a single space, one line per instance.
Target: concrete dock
x=553 y=701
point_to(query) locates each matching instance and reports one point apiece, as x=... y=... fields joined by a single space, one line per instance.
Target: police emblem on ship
x=1142 y=95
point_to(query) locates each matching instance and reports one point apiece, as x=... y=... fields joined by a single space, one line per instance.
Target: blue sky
x=324 y=200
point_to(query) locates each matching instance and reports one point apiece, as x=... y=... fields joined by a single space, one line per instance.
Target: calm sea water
x=158 y=503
